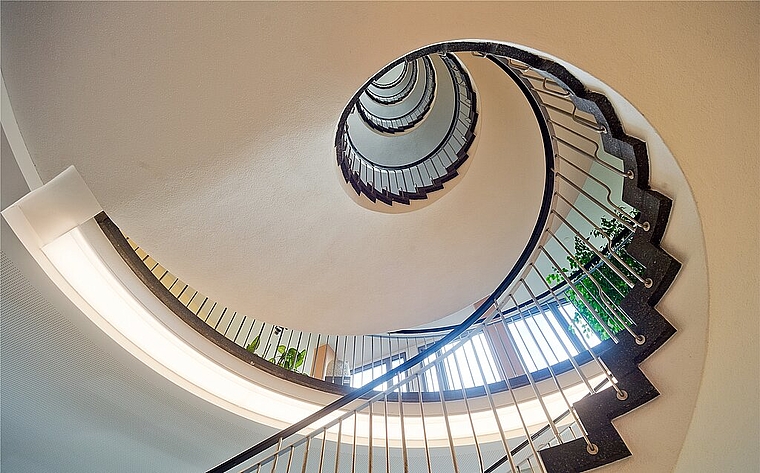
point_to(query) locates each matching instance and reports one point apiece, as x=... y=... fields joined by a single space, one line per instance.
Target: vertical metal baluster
x=361 y=374
x=371 y=359
x=201 y=307
x=353 y=368
x=191 y=299
x=237 y=334
x=287 y=345
x=337 y=445
x=308 y=345
x=224 y=311
x=298 y=350
x=404 y=455
x=276 y=455
x=387 y=445
x=172 y=286
x=322 y=450
x=486 y=346
x=277 y=348
x=290 y=458
x=343 y=363
x=209 y=312
x=430 y=374
x=269 y=339
x=467 y=405
x=324 y=360
x=250 y=330
x=353 y=449
x=306 y=455
x=390 y=363
x=424 y=427
x=371 y=441
x=335 y=357
x=446 y=419
x=447 y=377
x=387 y=451
x=229 y=324
x=406 y=353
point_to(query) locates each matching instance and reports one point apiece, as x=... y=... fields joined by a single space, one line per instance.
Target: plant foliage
x=600 y=286
x=288 y=358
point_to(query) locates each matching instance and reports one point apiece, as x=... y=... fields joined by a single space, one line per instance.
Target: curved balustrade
x=423 y=174
x=572 y=321
x=393 y=83
x=390 y=95
x=411 y=118
x=333 y=361
x=531 y=379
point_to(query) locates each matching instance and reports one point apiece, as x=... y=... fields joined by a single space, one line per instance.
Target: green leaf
x=253 y=345
x=300 y=359
x=281 y=349
x=602 y=288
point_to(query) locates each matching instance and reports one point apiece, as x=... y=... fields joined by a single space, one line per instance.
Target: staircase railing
x=395 y=93
x=596 y=191
x=398 y=123
x=378 y=83
x=419 y=175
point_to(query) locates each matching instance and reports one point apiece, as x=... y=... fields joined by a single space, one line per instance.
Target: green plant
x=288 y=358
x=253 y=345
x=602 y=288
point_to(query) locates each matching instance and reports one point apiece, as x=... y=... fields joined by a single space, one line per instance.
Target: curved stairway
x=530 y=380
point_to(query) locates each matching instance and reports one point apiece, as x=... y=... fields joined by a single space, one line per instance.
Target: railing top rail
x=444 y=140
x=454 y=333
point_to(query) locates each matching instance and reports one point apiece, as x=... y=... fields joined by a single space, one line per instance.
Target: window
x=470 y=365
x=548 y=336
x=364 y=374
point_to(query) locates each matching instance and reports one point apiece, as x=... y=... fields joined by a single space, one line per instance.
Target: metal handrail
x=401 y=94
x=393 y=83
x=591 y=439
x=613 y=285
x=409 y=119
x=422 y=174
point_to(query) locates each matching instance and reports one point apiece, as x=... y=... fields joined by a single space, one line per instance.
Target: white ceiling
x=207 y=135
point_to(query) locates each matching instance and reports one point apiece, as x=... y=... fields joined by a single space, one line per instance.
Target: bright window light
x=470 y=365
x=591 y=338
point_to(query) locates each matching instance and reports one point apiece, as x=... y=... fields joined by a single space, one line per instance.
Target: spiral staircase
x=532 y=377
x=584 y=147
